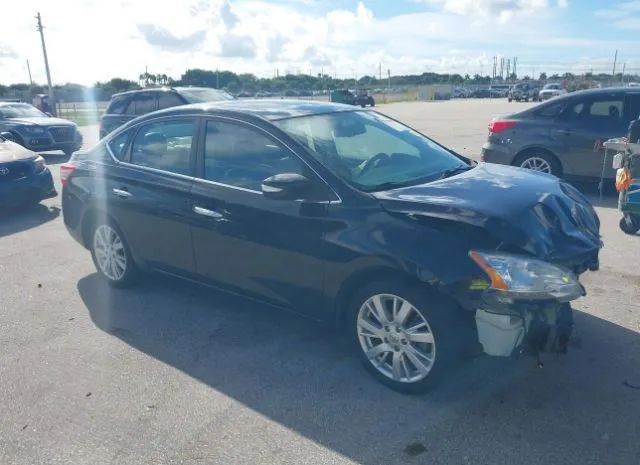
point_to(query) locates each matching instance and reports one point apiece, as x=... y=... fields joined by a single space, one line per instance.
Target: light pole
x=46 y=64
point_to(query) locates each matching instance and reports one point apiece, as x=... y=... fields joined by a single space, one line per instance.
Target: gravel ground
x=171 y=373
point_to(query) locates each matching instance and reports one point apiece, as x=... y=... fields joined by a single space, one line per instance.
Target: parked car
x=364 y=98
x=551 y=90
x=343 y=96
x=344 y=215
x=37 y=131
x=499 y=90
x=126 y=106
x=24 y=176
x=564 y=136
x=523 y=92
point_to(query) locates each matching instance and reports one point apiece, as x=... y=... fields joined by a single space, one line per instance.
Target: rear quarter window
x=118 y=105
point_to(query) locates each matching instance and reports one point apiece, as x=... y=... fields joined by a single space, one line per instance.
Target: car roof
x=269 y=109
x=6 y=104
x=164 y=89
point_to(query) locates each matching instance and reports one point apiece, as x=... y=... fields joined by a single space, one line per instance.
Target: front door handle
x=208 y=213
x=123 y=194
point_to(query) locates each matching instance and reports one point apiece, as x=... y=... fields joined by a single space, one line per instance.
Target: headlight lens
x=524 y=276
x=40 y=164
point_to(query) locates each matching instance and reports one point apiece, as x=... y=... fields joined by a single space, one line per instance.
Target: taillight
x=499 y=126
x=65 y=171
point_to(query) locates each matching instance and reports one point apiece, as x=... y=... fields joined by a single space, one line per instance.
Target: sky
x=95 y=40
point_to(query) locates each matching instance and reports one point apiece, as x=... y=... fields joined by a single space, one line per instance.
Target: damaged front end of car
x=523 y=240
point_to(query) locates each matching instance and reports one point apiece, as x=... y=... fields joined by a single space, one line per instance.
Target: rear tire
x=401 y=353
x=630 y=224
x=539 y=160
x=111 y=255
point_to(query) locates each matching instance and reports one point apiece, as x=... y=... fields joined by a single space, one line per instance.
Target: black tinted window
x=244 y=157
x=602 y=110
x=165 y=145
x=118 y=105
x=145 y=103
x=168 y=99
x=118 y=144
x=550 y=111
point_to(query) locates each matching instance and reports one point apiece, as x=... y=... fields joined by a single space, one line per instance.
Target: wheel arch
x=356 y=280
x=89 y=220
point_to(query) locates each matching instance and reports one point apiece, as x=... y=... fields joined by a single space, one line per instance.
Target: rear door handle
x=563 y=132
x=208 y=213
x=123 y=194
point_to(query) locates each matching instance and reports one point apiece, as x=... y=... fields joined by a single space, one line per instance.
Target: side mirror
x=7 y=136
x=287 y=186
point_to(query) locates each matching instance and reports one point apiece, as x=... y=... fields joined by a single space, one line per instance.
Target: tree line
x=237 y=83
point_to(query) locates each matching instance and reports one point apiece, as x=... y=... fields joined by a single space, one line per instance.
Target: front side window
x=241 y=156
x=370 y=151
x=165 y=145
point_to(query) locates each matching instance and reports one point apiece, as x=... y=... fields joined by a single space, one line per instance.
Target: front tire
x=406 y=336
x=111 y=255
x=630 y=224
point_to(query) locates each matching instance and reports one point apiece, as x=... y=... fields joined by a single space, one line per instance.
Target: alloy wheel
x=537 y=164
x=109 y=252
x=396 y=338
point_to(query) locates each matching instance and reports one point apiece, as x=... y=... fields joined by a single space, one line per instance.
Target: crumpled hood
x=531 y=211
x=42 y=121
x=10 y=151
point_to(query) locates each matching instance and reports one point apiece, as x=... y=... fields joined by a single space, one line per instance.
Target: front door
x=582 y=129
x=151 y=193
x=269 y=249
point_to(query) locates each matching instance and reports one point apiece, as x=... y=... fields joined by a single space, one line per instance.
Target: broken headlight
x=521 y=277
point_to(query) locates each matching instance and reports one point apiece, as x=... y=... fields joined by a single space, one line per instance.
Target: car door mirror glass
x=287 y=186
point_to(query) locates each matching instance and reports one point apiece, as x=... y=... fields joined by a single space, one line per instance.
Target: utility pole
x=515 y=64
x=508 y=68
x=501 y=68
x=40 y=28
x=389 y=78
x=615 y=60
x=624 y=66
x=379 y=71
x=29 y=71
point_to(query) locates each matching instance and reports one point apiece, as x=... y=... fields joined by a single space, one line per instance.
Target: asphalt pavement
x=172 y=373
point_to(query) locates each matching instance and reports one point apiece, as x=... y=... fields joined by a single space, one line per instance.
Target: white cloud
x=91 y=40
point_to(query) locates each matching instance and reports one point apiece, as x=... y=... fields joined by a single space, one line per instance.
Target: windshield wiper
x=455 y=170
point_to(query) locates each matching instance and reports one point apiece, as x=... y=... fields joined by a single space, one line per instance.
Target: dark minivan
x=343 y=215
x=126 y=106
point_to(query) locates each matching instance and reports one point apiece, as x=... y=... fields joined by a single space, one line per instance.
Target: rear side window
x=142 y=103
x=550 y=111
x=168 y=100
x=165 y=145
x=118 y=105
x=607 y=110
x=118 y=144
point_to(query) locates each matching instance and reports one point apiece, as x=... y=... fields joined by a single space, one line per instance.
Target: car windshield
x=205 y=95
x=20 y=111
x=370 y=151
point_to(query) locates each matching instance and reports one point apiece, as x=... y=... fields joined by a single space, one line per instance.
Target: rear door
x=270 y=249
x=582 y=128
x=150 y=197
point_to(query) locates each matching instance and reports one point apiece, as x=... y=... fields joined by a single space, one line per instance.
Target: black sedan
x=38 y=131
x=24 y=176
x=344 y=215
